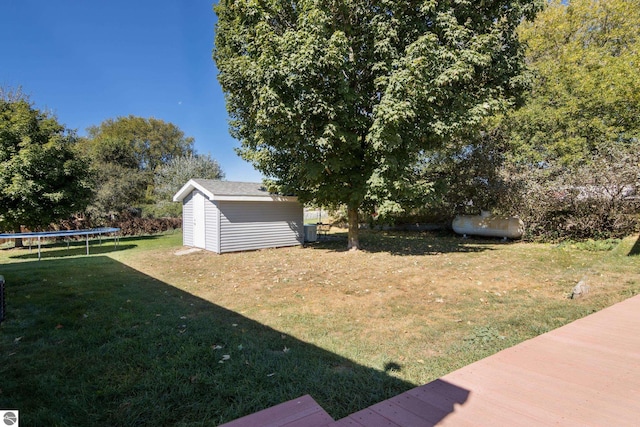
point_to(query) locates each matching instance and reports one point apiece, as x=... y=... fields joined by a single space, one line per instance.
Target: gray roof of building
x=233 y=188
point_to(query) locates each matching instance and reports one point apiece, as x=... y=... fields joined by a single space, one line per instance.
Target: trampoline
x=65 y=233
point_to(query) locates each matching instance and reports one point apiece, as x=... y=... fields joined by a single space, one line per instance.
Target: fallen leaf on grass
x=59 y=326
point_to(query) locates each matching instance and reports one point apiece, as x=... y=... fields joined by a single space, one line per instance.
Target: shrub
x=598 y=199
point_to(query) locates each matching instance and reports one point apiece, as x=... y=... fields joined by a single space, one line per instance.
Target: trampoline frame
x=65 y=233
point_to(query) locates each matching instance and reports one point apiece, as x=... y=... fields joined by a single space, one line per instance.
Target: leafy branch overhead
x=335 y=99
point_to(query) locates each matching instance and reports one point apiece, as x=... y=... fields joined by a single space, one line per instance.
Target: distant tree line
x=48 y=173
x=141 y=162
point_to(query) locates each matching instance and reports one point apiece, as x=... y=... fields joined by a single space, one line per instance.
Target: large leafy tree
x=586 y=55
x=152 y=142
x=42 y=178
x=335 y=99
x=119 y=182
x=126 y=152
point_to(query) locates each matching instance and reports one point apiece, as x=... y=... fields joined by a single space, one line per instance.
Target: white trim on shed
x=238 y=216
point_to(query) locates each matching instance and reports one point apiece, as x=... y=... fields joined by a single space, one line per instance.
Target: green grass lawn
x=141 y=336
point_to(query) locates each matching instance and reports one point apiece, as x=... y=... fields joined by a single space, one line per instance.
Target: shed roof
x=229 y=190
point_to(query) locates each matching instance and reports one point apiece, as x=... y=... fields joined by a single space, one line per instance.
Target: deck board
x=400 y=415
x=369 y=418
x=303 y=412
x=425 y=410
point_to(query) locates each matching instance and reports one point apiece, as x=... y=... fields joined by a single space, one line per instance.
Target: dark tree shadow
x=635 y=250
x=392 y=367
x=403 y=243
x=89 y=340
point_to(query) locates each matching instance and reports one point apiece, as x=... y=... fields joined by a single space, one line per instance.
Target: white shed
x=226 y=216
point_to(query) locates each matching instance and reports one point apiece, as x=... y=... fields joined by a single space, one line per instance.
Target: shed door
x=198 y=220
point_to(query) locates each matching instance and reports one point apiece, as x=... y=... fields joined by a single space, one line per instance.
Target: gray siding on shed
x=212 y=225
x=259 y=225
x=187 y=220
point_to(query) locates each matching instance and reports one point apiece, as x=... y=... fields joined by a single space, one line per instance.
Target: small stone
x=580 y=290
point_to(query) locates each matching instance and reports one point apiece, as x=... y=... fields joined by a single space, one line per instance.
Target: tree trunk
x=17 y=242
x=352 y=215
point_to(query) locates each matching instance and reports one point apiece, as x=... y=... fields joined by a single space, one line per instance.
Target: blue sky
x=88 y=61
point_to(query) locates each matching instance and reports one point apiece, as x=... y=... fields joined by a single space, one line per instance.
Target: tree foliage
x=574 y=159
x=170 y=177
x=149 y=142
x=597 y=199
x=467 y=174
x=42 y=178
x=586 y=56
x=126 y=153
x=335 y=99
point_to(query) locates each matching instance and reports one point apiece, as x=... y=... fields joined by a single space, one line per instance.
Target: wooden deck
x=586 y=373
x=301 y=412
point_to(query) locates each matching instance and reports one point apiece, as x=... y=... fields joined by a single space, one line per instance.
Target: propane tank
x=487 y=224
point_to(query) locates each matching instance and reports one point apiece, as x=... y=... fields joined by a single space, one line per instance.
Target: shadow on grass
x=635 y=250
x=60 y=250
x=407 y=242
x=91 y=341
